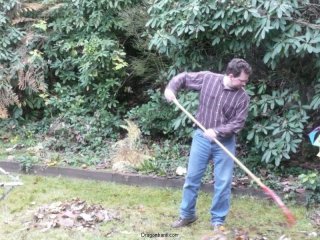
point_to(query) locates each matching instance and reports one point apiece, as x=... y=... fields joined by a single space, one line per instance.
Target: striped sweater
x=220 y=108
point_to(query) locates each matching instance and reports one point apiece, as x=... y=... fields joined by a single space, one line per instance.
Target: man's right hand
x=169 y=95
x=210 y=134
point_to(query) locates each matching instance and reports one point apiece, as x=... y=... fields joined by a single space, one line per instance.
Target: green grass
x=140 y=210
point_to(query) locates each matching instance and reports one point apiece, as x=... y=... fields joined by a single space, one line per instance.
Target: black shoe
x=182 y=222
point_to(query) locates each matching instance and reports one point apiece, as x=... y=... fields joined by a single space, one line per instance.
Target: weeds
x=166 y=158
x=27 y=162
x=311 y=181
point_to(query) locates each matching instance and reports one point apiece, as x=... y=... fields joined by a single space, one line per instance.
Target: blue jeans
x=203 y=150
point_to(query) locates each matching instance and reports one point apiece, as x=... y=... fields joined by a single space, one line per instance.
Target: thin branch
x=10 y=184
x=310 y=25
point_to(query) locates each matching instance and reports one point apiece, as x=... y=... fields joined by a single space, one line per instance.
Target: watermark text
x=158 y=235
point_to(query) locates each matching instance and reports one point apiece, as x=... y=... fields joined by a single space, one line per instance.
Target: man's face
x=240 y=81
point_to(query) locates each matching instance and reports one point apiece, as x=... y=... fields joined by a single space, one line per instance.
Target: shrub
x=22 y=67
x=277 y=37
x=311 y=181
x=160 y=117
x=155 y=116
x=85 y=52
x=276 y=124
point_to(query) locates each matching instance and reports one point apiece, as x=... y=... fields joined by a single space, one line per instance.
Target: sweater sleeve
x=192 y=81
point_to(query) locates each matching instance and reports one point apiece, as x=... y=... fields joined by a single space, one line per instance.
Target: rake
x=287 y=213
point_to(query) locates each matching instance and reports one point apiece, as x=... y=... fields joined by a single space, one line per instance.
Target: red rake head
x=287 y=213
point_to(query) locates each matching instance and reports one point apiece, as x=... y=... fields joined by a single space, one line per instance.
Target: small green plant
x=27 y=162
x=167 y=157
x=311 y=181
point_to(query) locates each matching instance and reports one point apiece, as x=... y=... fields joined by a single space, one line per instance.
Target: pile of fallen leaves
x=73 y=214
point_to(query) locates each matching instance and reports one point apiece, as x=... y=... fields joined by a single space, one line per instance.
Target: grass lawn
x=140 y=210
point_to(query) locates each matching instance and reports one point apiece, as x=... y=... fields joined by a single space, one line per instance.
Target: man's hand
x=169 y=95
x=210 y=134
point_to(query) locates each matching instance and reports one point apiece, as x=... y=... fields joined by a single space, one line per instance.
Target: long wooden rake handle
x=289 y=216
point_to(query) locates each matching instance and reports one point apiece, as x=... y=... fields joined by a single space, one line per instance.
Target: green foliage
x=155 y=116
x=229 y=27
x=167 y=157
x=22 y=68
x=182 y=125
x=159 y=117
x=315 y=103
x=311 y=181
x=27 y=162
x=277 y=123
x=277 y=37
x=67 y=102
x=85 y=52
x=74 y=128
x=94 y=55
x=83 y=133
x=10 y=36
x=146 y=68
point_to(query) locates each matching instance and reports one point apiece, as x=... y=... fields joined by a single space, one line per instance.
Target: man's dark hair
x=236 y=66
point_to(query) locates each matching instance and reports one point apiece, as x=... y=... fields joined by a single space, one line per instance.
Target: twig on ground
x=8 y=186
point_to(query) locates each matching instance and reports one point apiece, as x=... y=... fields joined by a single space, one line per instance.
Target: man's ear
x=230 y=76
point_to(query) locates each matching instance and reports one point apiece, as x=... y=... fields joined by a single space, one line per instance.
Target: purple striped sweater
x=221 y=108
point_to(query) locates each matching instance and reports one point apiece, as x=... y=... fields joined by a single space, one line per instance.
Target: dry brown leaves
x=73 y=214
x=315 y=218
x=241 y=234
x=128 y=153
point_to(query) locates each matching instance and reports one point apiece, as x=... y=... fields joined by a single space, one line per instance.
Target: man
x=223 y=109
